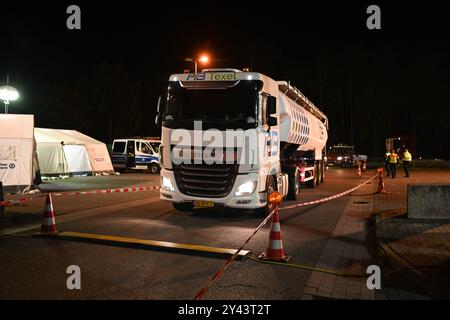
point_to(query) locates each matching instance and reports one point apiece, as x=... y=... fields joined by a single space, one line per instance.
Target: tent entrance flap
x=77 y=159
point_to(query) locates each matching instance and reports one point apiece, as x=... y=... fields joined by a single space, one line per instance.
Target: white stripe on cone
x=48 y=221
x=276 y=244
x=276 y=227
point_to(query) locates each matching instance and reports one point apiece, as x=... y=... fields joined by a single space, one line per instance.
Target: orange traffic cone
x=381 y=188
x=48 y=225
x=275 y=251
x=364 y=166
x=359 y=168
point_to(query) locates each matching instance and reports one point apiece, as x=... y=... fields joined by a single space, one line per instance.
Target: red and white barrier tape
x=15 y=201
x=120 y=190
x=93 y=192
x=328 y=198
x=219 y=273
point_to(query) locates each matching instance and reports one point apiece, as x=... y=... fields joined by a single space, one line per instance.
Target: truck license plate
x=203 y=204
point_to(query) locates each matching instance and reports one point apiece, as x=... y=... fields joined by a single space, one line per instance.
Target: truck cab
x=136 y=154
x=341 y=156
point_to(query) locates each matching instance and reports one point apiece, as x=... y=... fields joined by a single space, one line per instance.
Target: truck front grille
x=202 y=180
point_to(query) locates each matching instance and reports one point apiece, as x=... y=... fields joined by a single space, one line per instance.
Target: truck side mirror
x=271 y=105
x=158 y=118
x=273 y=121
x=158 y=105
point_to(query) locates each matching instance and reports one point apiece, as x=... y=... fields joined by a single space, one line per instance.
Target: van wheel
x=271 y=186
x=153 y=168
x=182 y=206
x=294 y=185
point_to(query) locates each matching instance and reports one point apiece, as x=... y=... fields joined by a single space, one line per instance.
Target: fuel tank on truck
x=299 y=126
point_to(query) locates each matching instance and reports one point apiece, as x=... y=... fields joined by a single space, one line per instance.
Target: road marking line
x=149 y=243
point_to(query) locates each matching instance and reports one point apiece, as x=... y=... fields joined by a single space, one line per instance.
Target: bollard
x=2 y=208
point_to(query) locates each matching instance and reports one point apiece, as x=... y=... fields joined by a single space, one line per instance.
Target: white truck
x=206 y=163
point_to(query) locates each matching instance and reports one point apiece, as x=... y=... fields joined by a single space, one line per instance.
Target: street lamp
x=7 y=94
x=204 y=59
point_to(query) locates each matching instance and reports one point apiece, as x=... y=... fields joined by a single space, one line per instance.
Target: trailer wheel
x=271 y=186
x=294 y=185
x=182 y=206
x=153 y=168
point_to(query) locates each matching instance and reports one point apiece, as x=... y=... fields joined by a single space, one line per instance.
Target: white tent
x=69 y=152
x=16 y=151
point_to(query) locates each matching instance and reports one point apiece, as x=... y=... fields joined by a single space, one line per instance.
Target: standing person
x=406 y=160
x=393 y=160
x=386 y=162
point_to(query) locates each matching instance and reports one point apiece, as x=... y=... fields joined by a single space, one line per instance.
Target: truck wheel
x=153 y=168
x=318 y=174
x=271 y=186
x=182 y=206
x=312 y=183
x=294 y=185
x=322 y=172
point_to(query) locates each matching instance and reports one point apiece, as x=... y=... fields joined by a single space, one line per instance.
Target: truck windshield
x=220 y=108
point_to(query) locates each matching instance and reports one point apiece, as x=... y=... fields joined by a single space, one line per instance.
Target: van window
x=155 y=146
x=146 y=148
x=119 y=147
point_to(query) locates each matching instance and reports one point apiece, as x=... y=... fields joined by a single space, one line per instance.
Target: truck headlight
x=167 y=184
x=339 y=158
x=246 y=188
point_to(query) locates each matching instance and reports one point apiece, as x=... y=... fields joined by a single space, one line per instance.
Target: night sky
x=105 y=79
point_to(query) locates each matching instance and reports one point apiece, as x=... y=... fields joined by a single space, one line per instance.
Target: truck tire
x=182 y=206
x=322 y=172
x=294 y=185
x=153 y=168
x=318 y=173
x=271 y=186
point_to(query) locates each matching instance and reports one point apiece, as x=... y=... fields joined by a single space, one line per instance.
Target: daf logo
x=12 y=165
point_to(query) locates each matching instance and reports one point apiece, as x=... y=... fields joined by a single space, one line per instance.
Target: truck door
x=131 y=154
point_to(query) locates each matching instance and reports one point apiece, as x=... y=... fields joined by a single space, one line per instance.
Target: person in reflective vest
x=393 y=160
x=406 y=160
x=386 y=163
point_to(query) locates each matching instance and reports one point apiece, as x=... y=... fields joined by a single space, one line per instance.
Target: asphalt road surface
x=36 y=267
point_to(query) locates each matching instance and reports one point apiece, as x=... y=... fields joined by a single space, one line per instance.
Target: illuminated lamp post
x=203 y=59
x=7 y=94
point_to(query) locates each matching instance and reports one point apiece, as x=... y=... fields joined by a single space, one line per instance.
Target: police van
x=136 y=154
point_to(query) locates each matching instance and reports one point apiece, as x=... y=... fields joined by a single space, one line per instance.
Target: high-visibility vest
x=407 y=156
x=393 y=158
x=386 y=156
